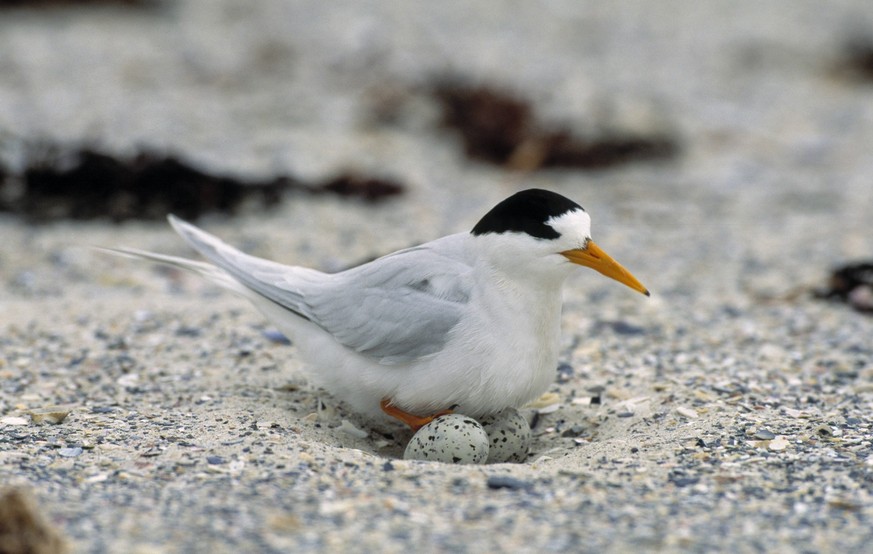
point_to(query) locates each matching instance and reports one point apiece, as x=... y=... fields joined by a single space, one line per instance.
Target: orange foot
x=414 y=421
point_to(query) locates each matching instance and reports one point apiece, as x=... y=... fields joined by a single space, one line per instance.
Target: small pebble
x=549 y=409
x=764 y=435
x=348 y=428
x=547 y=403
x=496 y=482
x=565 y=372
x=574 y=431
x=690 y=413
x=682 y=480
x=779 y=443
x=826 y=431
x=509 y=436
x=13 y=420
x=70 y=452
x=451 y=438
x=186 y=331
x=50 y=414
x=625 y=328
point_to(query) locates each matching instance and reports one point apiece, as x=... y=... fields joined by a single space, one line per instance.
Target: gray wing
x=394 y=309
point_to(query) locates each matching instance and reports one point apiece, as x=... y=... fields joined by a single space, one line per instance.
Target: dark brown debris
x=369 y=189
x=501 y=128
x=52 y=3
x=492 y=123
x=147 y=186
x=852 y=284
x=857 y=58
x=23 y=530
x=88 y=184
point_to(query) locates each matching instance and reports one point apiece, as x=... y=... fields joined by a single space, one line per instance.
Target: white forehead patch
x=574 y=225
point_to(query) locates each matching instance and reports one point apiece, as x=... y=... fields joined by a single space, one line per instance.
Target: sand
x=729 y=412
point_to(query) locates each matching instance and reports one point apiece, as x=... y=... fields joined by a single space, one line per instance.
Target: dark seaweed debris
x=145 y=187
x=501 y=128
x=857 y=59
x=88 y=184
x=370 y=189
x=50 y=3
x=852 y=284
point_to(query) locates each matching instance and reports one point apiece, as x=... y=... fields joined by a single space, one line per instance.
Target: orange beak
x=598 y=260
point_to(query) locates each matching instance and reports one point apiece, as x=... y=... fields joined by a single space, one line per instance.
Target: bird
x=470 y=322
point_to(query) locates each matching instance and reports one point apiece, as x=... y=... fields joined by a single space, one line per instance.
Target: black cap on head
x=526 y=212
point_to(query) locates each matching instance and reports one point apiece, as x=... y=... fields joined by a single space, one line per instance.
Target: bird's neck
x=534 y=303
x=526 y=316
x=521 y=296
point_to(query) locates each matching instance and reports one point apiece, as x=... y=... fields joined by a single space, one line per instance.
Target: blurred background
x=662 y=115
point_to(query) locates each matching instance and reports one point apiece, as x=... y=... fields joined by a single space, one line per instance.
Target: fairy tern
x=469 y=322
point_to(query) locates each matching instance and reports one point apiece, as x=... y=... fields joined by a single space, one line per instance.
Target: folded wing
x=396 y=309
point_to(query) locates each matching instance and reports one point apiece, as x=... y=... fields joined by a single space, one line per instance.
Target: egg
x=509 y=436
x=451 y=438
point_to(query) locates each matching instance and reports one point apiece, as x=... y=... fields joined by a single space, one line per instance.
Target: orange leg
x=414 y=421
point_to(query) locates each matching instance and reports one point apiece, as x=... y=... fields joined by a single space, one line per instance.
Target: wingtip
x=178 y=223
x=108 y=250
x=123 y=252
x=101 y=249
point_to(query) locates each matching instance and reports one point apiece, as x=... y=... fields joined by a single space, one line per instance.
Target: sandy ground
x=734 y=410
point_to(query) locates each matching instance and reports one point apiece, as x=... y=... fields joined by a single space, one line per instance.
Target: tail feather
x=205 y=270
x=254 y=278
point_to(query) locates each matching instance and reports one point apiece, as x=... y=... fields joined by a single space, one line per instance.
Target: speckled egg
x=451 y=438
x=509 y=436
